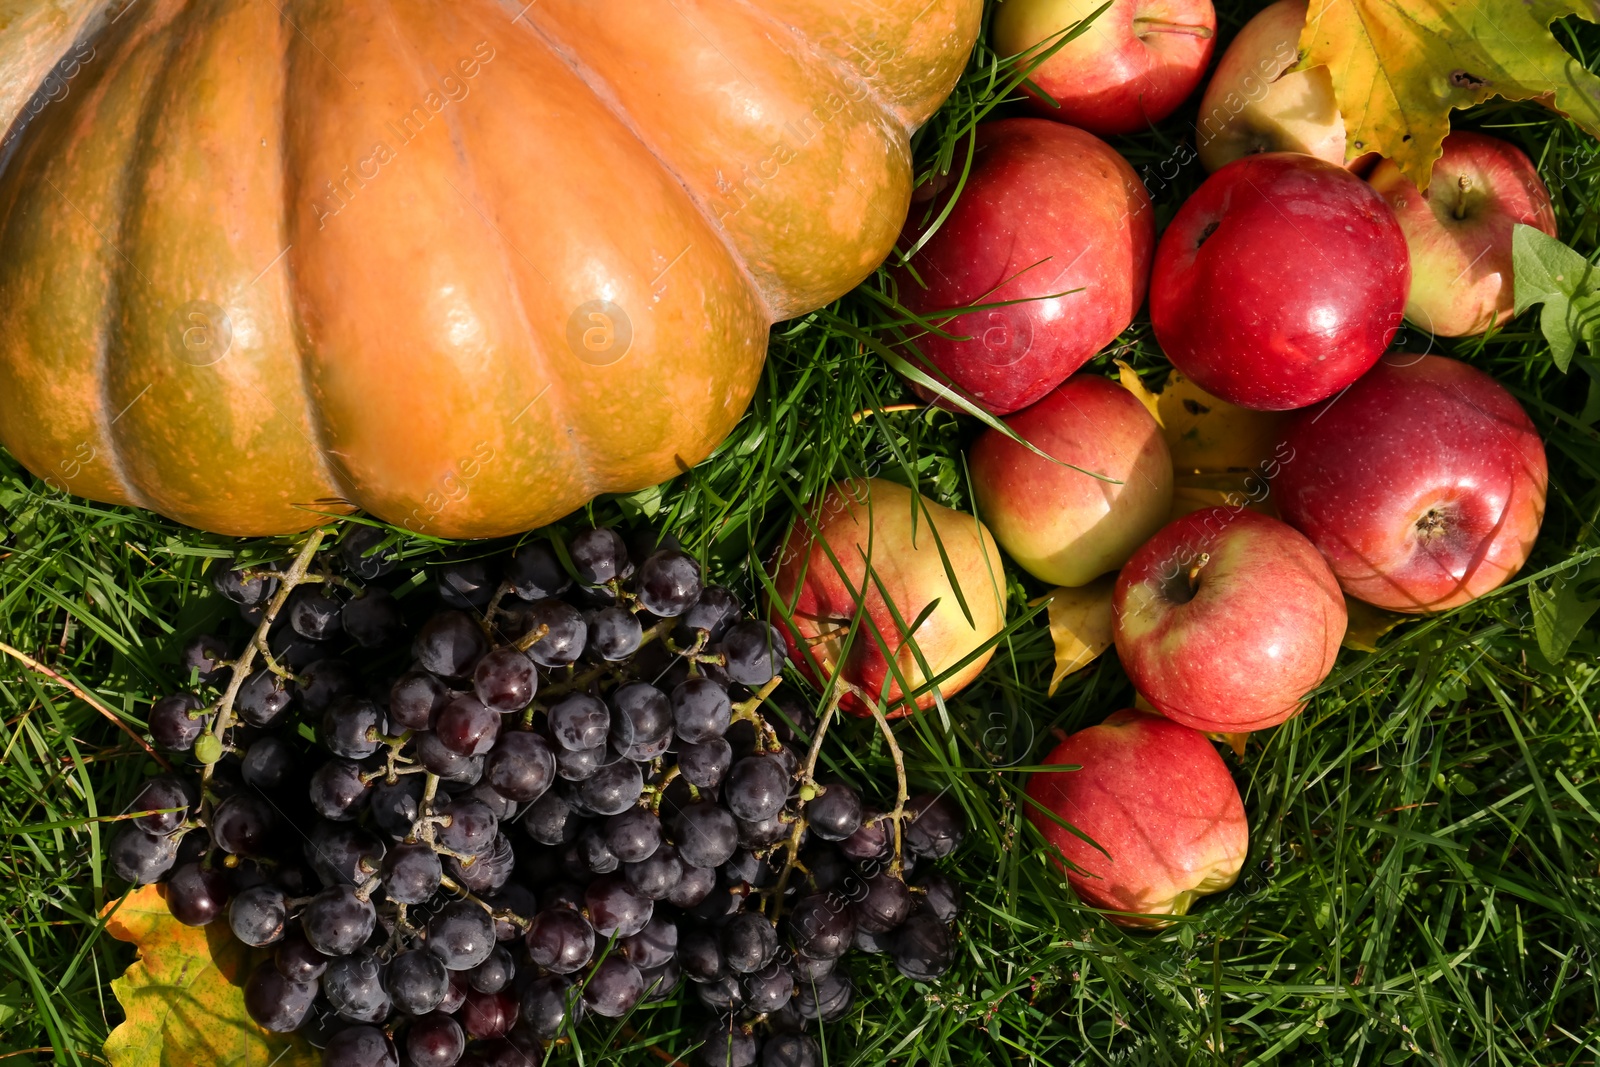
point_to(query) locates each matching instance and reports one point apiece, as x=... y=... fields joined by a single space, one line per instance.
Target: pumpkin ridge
x=602 y=91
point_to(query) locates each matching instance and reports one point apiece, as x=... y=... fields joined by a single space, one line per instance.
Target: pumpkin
x=462 y=265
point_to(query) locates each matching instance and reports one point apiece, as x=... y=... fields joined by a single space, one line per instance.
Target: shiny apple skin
x=1255 y=102
x=1061 y=525
x=1048 y=209
x=1279 y=282
x=1131 y=68
x=1156 y=796
x=1261 y=629
x=872 y=519
x=1459 y=237
x=1420 y=439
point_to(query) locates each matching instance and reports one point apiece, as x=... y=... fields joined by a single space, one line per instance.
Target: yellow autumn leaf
x=1399 y=67
x=1367 y=624
x=1080 y=626
x=184 y=995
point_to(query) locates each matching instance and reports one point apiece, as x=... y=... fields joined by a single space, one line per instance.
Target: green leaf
x=1558 y=617
x=1548 y=272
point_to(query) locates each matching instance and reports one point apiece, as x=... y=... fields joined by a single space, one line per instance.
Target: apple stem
x=1194 y=572
x=1463 y=185
x=1141 y=27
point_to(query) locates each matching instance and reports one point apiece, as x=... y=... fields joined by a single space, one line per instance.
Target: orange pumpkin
x=463 y=265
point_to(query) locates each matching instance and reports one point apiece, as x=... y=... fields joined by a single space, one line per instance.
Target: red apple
x=1131 y=67
x=1279 y=282
x=1459 y=231
x=1048 y=212
x=1226 y=619
x=1061 y=525
x=1155 y=796
x=821 y=579
x=1256 y=101
x=1423 y=486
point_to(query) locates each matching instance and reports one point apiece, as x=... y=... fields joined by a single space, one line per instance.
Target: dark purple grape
x=291 y=651
x=701 y=710
x=448 y=764
x=206 y=656
x=769 y=989
x=505 y=680
x=468 y=727
x=466 y=584
x=396 y=805
x=614 y=987
x=487 y=872
x=258 y=915
x=756 y=789
x=337 y=921
x=594 y=855
x=351 y=726
x=549 y=1004
x=661 y=982
x=754 y=652
x=656 y=875
x=766 y=832
x=940 y=896
x=450 y=644
x=695 y=885
x=810 y=969
x=614 y=633
x=560 y=940
x=363 y=554
x=705 y=764
x=822 y=926
x=612 y=789
x=535 y=573
x=373 y=618
x=883 y=904
x=550 y=820
x=705 y=834
x=835 y=813
x=276 y=1003
x=827 y=868
x=748 y=942
x=342 y=854
x=263 y=699
x=167 y=800
x=579 y=722
x=314 y=614
x=457 y=994
x=231 y=581
x=297 y=961
x=790 y=1050
x=411 y=874
x=922 y=948
x=520 y=767
x=579 y=766
x=435 y=1040
x=717 y=907
x=871 y=943
x=646 y=753
x=354 y=987
x=488 y=1015
x=725 y=1043
x=654 y=946
x=714 y=610
x=502 y=806
x=827 y=999
x=416 y=699
x=633 y=835
x=558 y=630
x=668 y=582
x=599 y=556
x=494 y=973
x=323 y=683
x=701 y=955
x=417 y=982
x=137 y=857
x=873 y=841
x=469 y=827
x=337 y=791
x=268 y=763
x=360 y=1046
x=518 y=900
x=615 y=907
x=936 y=830
x=196 y=895
x=721 y=995
x=462 y=935
x=176 y=721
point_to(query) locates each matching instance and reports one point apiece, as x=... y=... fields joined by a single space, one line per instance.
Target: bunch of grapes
x=455 y=831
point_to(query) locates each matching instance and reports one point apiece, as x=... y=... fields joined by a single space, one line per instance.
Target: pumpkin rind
x=461 y=265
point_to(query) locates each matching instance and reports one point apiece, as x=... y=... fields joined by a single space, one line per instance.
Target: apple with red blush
x=1156 y=797
x=1052 y=235
x=1227 y=619
x=1423 y=486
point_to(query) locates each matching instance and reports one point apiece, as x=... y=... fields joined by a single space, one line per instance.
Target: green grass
x=1424 y=876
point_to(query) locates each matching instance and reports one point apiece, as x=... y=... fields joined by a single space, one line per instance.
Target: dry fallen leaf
x=1400 y=67
x=1367 y=624
x=1080 y=626
x=184 y=995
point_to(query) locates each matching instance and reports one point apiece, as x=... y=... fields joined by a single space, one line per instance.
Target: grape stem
x=502 y=915
x=791 y=859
